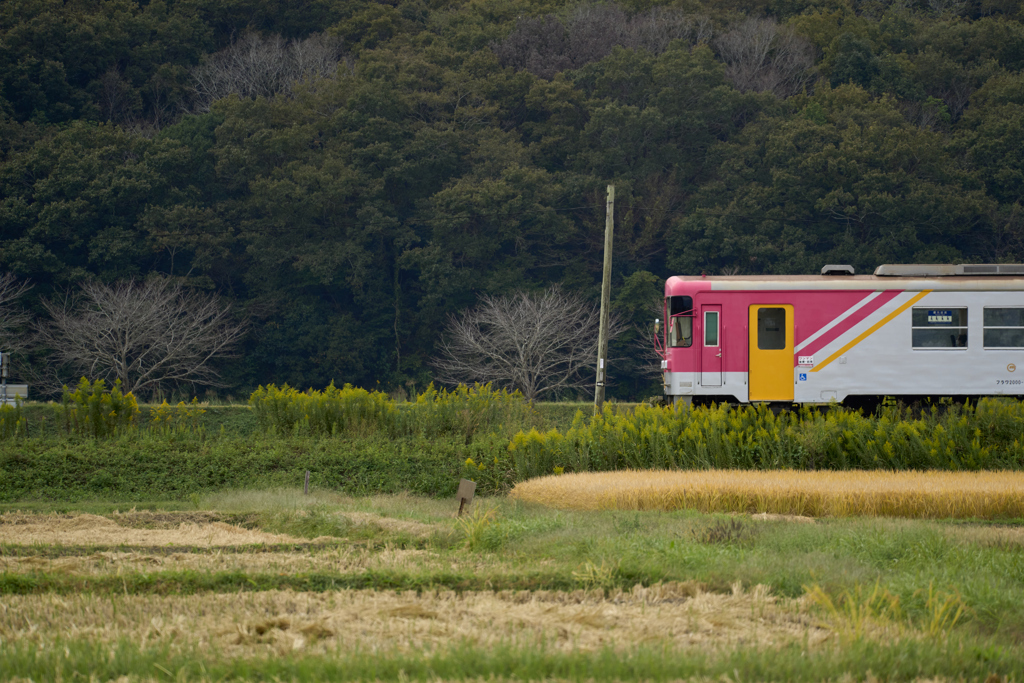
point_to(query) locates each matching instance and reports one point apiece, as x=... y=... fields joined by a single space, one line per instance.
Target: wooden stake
x=305 y=489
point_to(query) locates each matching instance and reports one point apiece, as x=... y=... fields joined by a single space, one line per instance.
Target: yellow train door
x=771 y=352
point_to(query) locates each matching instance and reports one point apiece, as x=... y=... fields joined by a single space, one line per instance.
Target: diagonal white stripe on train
x=850 y=311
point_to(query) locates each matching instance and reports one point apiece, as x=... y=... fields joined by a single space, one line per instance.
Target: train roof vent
x=916 y=270
x=943 y=270
x=991 y=269
x=833 y=269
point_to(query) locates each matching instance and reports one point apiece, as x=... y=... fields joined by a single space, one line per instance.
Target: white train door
x=711 y=349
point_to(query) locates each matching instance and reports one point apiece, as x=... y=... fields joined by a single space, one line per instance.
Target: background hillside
x=351 y=173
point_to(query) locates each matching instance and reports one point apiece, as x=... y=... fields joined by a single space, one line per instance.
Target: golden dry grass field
x=928 y=495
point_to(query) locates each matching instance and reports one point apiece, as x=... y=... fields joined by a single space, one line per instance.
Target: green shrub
x=152 y=465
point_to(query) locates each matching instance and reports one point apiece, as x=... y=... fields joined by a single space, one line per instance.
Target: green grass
x=505 y=545
x=966 y=659
x=519 y=546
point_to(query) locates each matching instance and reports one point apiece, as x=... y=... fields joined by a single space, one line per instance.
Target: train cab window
x=771 y=328
x=1004 y=328
x=680 y=331
x=939 y=328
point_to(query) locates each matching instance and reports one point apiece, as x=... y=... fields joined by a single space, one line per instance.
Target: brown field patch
x=995 y=536
x=926 y=495
x=86 y=529
x=278 y=622
x=845 y=678
x=333 y=559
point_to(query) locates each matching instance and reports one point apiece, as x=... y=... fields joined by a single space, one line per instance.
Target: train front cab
x=716 y=350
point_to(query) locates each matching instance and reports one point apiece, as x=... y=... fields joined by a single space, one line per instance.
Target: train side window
x=680 y=331
x=938 y=328
x=771 y=328
x=1004 y=328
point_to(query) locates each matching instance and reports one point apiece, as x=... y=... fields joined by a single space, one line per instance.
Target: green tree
x=861 y=187
x=71 y=202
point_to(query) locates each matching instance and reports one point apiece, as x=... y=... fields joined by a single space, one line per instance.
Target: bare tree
x=763 y=56
x=594 y=29
x=150 y=335
x=548 y=45
x=645 y=346
x=953 y=7
x=257 y=66
x=117 y=100
x=538 y=45
x=540 y=344
x=13 y=319
x=654 y=29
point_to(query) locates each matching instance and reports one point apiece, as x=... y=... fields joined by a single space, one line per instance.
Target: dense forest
x=349 y=173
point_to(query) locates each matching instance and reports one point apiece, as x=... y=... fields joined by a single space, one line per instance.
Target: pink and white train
x=906 y=331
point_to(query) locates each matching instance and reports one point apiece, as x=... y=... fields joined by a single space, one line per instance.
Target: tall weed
x=464 y=412
x=184 y=418
x=12 y=420
x=286 y=410
x=92 y=410
x=988 y=435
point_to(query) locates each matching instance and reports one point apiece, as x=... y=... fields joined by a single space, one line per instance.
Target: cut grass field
x=274 y=584
x=884 y=493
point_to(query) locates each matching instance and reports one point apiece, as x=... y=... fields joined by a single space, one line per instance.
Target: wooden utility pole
x=606 y=294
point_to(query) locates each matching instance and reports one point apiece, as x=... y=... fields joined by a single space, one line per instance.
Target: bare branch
x=255 y=66
x=760 y=55
x=12 y=318
x=644 y=347
x=546 y=45
x=149 y=335
x=539 y=344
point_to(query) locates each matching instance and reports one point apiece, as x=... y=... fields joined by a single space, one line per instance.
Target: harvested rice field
x=934 y=495
x=277 y=586
x=277 y=622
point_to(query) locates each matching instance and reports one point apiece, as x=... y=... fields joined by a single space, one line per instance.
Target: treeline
x=351 y=173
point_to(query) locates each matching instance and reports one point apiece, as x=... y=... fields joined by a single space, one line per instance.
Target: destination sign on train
x=940 y=317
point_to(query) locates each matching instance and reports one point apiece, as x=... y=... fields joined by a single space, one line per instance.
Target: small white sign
x=805 y=360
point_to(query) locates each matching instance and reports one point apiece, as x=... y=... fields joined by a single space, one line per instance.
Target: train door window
x=771 y=328
x=1004 y=328
x=710 y=328
x=680 y=331
x=939 y=328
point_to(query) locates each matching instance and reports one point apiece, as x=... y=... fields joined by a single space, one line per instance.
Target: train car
x=906 y=331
